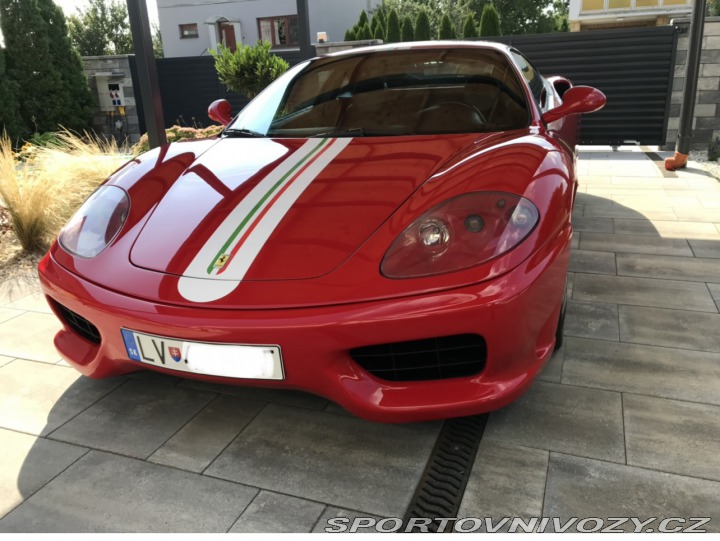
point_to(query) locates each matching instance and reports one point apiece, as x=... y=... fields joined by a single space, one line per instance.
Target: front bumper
x=516 y=313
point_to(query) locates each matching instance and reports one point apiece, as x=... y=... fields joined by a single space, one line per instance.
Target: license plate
x=226 y=360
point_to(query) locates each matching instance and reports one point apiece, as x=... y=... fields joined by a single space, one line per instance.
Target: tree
x=10 y=120
x=490 y=22
x=714 y=7
x=29 y=64
x=379 y=33
x=249 y=69
x=158 y=49
x=469 y=28
x=422 y=26
x=365 y=32
x=349 y=35
x=393 y=33
x=102 y=29
x=363 y=20
x=407 y=32
x=74 y=95
x=446 y=28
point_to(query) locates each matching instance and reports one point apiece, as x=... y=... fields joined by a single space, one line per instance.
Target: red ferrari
x=386 y=227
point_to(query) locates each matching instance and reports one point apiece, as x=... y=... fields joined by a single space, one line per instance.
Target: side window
x=532 y=77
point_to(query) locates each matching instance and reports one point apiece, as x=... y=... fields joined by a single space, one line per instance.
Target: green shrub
x=408 y=32
x=490 y=22
x=249 y=69
x=446 y=28
x=179 y=133
x=469 y=28
x=393 y=33
x=422 y=27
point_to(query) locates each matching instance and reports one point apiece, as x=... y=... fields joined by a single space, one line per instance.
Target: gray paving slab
x=619 y=211
x=30 y=336
x=109 y=493
x=648 y=370
x=564 y=418
x=705 y=248
x=35 y=302
x=271 y=512
x=592 y=320
x=674 y=268
x=553 y=369
x=295 y=399
x=197 y=444
x=603 y=242
x=506 y=481
x=592 y=200
x=329 y=458
x=579 y=487
x=18 y=287
x=592 y=262
x=155 y=377
x=36 y=398
x=715 y=292
x=671 y=328
x=332 y=512
x=697 y=214
x=135 y=419
x=9 y=313
x=594 y=223
x=643 y=292
x=672 y=229
x=28 y=463
x=673 y=436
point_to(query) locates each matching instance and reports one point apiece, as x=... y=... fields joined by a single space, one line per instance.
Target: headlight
x=460 y=233
x=96 y=223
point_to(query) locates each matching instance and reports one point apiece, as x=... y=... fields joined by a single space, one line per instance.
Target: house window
x=280 y=31
x=189 y=31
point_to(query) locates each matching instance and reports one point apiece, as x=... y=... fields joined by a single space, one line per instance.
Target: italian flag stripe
x=253 y=216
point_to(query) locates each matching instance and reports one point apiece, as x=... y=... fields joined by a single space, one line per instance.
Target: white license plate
x=226 y=360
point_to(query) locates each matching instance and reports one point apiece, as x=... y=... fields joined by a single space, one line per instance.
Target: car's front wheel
x=561 y=321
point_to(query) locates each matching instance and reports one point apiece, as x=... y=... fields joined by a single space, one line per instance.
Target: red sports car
x=387 y=227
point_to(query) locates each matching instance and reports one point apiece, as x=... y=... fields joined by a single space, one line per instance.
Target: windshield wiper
x=359 y=132
x=242 y=132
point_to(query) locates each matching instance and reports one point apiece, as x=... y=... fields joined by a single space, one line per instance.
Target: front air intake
x=446 y=357
x=77 y=323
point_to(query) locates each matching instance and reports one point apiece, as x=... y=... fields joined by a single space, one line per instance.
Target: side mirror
x=578 y=99
x=220 y=111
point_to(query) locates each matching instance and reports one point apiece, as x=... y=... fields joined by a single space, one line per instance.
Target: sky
x=70 y=7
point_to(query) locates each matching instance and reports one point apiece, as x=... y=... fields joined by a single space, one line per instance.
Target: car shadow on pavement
x=624 y=413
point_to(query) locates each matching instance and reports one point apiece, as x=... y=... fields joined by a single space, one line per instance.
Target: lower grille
x=456 y=356
x=78 y=323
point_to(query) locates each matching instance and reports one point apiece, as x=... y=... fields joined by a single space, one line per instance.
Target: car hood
x=291 y=209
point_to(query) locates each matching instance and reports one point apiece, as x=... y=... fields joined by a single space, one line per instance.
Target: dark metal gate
x=634 y=67
x=189 y=84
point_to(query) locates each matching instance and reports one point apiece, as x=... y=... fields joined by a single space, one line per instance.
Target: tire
x=561 y=322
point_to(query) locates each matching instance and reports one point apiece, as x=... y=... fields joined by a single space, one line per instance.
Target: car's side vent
x=421 y=360
x=78 y=323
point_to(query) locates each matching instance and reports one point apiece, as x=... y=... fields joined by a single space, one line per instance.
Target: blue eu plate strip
x=130 y=345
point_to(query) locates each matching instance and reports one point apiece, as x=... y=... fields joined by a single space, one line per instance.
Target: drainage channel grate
x=442 y=485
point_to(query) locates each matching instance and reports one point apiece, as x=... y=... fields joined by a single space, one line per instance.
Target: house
x=192 y=27
x=603 y=14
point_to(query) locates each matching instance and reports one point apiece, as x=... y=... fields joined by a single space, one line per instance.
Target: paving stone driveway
x=624 y=422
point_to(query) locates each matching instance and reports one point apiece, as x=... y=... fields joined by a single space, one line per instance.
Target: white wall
x=331 y=16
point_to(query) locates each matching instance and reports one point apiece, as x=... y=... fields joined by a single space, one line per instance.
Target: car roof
x=437 y=44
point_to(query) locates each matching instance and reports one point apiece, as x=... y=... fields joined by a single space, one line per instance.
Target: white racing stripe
x=223 y=261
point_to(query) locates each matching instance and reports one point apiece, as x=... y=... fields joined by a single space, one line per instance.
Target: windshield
x=396 y=92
